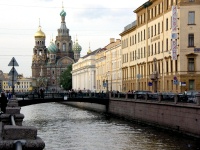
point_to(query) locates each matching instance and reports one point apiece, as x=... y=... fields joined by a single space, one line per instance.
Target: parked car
x=141 y=94
x=168 y=95
x=189 y=96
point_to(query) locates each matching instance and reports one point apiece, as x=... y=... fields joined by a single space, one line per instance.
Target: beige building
x=108 y=67
x=22 y=85
x=161 y=48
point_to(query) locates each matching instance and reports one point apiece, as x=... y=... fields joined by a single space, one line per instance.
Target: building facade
x=22 y=85
x=84 y=72
x=108 y=67
x=52 y=61
x=160 y=50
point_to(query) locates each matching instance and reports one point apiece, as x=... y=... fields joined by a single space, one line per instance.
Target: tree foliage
x=66 y=78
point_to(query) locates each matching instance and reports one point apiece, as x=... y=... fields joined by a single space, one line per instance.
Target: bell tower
x=63 y=39
x=39 y=53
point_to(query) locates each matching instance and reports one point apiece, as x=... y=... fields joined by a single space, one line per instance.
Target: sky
x=93 y=22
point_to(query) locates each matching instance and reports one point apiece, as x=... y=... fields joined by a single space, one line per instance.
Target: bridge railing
x=27 y=96
x=166 y=97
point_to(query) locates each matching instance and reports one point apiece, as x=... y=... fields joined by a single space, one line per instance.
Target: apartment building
x=108 y=67
x=160 y=50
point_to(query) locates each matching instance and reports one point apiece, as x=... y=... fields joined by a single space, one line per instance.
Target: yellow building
x=161 y=48
x=22 y=85
x=108 y=67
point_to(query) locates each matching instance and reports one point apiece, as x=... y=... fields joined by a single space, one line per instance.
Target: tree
x=66 y=78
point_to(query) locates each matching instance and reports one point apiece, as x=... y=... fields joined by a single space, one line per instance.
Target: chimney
x=118 y=40
x=112 y=40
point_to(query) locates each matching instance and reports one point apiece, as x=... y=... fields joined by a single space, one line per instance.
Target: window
x=191 y=0
x=190 y=64
x=166 y=24
x=166 y=44
x=138 y=37
x=191 y=84
x=64 y=46
x=166 y=66
x=191 y=17
x=191 y=40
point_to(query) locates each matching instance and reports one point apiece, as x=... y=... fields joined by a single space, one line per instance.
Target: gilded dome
x=52 y=48
x=39 y=33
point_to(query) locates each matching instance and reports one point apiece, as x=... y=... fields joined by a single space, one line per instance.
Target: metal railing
x=29 y=96
x=166 y=97
x=18 y=143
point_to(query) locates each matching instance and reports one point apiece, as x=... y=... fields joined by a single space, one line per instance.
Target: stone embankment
x=15 y=136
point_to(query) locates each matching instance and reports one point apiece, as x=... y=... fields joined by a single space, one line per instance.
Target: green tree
x=66 y=78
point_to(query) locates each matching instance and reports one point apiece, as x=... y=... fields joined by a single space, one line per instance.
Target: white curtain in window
x=191 y=17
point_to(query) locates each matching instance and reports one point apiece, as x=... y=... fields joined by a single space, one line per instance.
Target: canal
x=64 y=127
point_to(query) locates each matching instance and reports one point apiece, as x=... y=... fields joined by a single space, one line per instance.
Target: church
x=48 y=63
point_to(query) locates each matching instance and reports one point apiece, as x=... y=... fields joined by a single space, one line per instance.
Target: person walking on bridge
x=3 y=101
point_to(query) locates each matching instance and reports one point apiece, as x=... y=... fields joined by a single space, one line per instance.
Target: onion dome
x=39 y=33
x=52 y=47
x=76 y=47
x=63 y=13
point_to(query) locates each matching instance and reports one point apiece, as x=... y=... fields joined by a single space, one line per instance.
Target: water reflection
x=67 y=128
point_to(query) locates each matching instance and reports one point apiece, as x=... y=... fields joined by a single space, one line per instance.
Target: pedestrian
x=42 y=93
x=9 y=95
x=3 y=101
x=185 y=92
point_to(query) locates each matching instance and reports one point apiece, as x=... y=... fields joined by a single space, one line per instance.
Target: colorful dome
x=52 y=48
x=62 y=13
x=76 y=47
x=39 y=33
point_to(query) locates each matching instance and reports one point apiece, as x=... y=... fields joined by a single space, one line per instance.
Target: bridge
x=30 y=99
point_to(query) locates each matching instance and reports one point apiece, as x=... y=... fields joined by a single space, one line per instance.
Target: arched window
x=64 y=46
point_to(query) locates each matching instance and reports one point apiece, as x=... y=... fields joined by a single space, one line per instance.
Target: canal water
x=64 y=127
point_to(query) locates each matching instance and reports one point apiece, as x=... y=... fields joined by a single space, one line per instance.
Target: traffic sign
x=175 y=82
x=175 y=78
x=150 y=83
x=104 y=84
x=13 y=62
x=182 y=83
x=13 y=72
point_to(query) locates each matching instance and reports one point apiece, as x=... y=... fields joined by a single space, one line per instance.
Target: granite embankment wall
x=181 y=117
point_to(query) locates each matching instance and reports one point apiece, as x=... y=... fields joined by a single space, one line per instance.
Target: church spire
x=89 y=50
